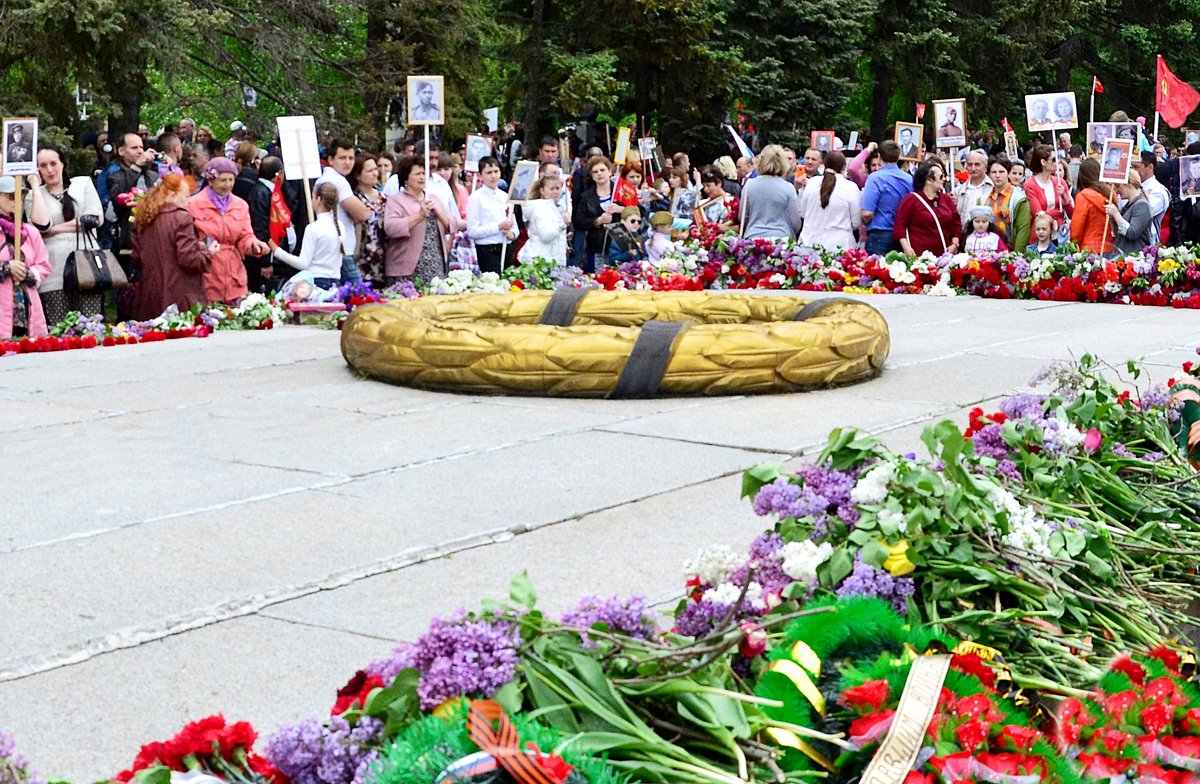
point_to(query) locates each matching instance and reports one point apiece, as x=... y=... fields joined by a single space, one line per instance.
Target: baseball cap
x=236 y=125
x=8 y=184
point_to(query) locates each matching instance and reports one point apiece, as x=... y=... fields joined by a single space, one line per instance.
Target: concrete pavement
x=239 y=523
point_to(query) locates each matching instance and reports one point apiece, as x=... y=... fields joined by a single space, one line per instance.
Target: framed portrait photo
x=1131 y=131
x=524 y=176
x=1115 y=160
x=426 y=100
x=1097 y=135
x=478 y=148
x=909 y=137
x=1189 y=177
x=20 y=146
x=950 y=120
x=821 y=140
x=1190 y=136
x=1051 y=111
x=1011 y=149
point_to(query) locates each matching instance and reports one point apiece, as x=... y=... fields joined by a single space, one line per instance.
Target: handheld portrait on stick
x=950 y=119
x=908 y=136
x=853 y=143
x=1010 y=146
x=646 y=148
x=478 y=148
x=523 y=179
x=426 y=100
x=493 y=118
x=20 y=145
x=1130 y=131
x=1190 y=136
x=298 y=147
x=1051 y=111
x=821 y=140
x=1116 y=160
x=1097 y=135
x=1189 y=177
x=621 y=154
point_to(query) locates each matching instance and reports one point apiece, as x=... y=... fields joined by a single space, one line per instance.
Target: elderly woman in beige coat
x=416 y=226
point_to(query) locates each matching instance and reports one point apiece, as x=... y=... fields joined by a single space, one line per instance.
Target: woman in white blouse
x=830 y=208
x=547 y=226
x=321 y=251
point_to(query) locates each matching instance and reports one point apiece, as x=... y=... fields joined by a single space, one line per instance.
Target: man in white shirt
x=976 y=189
x=488 y=223
x=1157 y=195
x=351 y=209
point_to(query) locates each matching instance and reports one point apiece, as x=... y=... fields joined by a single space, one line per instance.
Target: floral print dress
x=372 y=244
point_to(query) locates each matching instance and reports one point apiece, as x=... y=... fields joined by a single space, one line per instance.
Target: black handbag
x=91 y=268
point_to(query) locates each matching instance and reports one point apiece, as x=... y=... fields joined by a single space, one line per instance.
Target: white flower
x=712 y=565
x=899 y=272
x=942 y=288
x=778 y=278
x=728 y=593
x=872 y=486
x=801 y=559
x=891 y=518
x=1026 y=531
x=960 y=259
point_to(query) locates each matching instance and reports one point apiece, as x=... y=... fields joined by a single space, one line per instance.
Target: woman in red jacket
x=172 y=259
x=1046 y=191
x=225 y=219
x=927 y=219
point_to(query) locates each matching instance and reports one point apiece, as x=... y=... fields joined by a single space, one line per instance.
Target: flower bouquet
x=208 y=745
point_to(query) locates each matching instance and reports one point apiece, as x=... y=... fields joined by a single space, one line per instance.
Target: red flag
x=920 y=111
x=1096 y=86
x=1175 y=99
x=1007 y=127
x=281 y=216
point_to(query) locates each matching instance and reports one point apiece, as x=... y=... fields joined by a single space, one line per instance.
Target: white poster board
x=478 y=148
x=20 y=145
x=426 y=100
x=493 y=118
x=622 y=152
x=1051 y=112
x=298 y=147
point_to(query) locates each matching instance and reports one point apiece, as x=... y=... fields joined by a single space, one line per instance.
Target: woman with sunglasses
x=927 y=219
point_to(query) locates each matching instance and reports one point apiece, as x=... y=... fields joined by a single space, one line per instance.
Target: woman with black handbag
x=20 y=307
x=66 y=215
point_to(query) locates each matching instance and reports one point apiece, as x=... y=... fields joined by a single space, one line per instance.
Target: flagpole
x=1157 y=87
x=1092 y=110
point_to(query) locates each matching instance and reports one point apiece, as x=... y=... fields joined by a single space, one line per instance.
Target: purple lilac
x=1157 y=396
x=1025 y=404
x=1054 y=438
x=990 y=443
x=699 y=619
x=335 y=753
x=460 y=656
x=623 y=616
x=400 y=659
x=778 y=497
x=866 y=580
x=1009 y=469
x=14 y=768
x=765 y=545
x=1021 y=268
x=1120 y=450
x=402 y=290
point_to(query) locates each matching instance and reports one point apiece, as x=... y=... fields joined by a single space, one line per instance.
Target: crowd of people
x=197 y=219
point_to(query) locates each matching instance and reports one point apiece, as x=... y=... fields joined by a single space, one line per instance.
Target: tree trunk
x=881 y=97
x=376 y=96
x=533 y=89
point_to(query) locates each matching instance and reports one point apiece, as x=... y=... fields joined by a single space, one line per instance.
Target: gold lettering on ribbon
x=899 y=749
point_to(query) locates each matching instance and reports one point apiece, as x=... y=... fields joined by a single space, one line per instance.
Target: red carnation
x=1012 y=764
x=355 y=692
x=971 y=734
x=1018 y=737
x=1131 y=669
x=1156 y=718
x=1162 y=652
x=867 y=697
x=1187 y=746
x=916 y=777
x=1101 y=767
x=1114 y=741
x=1191 y=722
x=971 y=663
x=976 y=706
x=1163 y=690
x=1116 y=705
x=865 y=729
x=235 y=735
x=953 y=767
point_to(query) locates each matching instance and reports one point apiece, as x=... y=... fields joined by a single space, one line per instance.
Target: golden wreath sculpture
x=594 y=343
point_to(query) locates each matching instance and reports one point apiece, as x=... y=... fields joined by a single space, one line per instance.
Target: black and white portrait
x=20 y=145
x=522 y=180
x=426 y=100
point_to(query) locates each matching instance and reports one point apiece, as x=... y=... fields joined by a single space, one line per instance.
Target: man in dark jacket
x=250 y=188
x=1185 y=213
x=135 y=169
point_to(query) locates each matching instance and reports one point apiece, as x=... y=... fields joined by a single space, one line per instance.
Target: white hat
x=236 y=125
x=8 y=184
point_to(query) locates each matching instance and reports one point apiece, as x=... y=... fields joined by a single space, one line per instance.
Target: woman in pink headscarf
x=223 y=224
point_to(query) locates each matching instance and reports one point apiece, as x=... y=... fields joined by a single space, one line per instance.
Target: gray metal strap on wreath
x=816 y=306
x=647 y=363
x=560 y=310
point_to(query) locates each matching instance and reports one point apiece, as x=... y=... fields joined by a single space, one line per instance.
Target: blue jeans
x=350 y=271
x=578 y=248
x=880 y=242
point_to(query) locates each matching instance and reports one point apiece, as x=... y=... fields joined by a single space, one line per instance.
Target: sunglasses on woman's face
x=635 y=222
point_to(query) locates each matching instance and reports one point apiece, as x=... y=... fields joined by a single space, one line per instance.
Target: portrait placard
x=646 y=148
x=821 y=140
x=853 y=143
x=1116 y=160
x=908 y=136
x=20 y=145
x=298 y=147
x=1051 y=111
x=426 y=100
x=1010 y=146
x=478 y=148
x=1190 y=136
x=950 y=120
x=523 y=178
x=1097 y=135
x=1189 y=177
x=493 y=118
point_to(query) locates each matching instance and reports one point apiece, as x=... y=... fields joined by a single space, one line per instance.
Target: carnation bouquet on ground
x=209 y=746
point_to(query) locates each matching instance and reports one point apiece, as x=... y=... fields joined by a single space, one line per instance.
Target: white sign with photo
x=908 y=138
x=20 y=145
x=478 y=148
x=426 y=100
x=523 y=178
x=1189 y=177
x=950 y=120
x=1010 y=146
x=298 y=147
x=1116 y=160
x=1051 y=111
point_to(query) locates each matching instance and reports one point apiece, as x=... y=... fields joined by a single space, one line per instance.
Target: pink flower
x=1092 y=441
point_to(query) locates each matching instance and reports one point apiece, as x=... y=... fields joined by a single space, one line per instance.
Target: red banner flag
x=920 y=111
x=1096 y=86
x=1175 y=99
x=1007 y=127
x=281 y=216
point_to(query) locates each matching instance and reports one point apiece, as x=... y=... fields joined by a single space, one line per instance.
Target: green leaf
x=875 y=553
x=837 y=568
x=521 y=591
x=509 y=696
x=762 y=474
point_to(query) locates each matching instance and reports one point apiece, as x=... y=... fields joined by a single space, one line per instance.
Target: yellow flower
x=897 y=562
x=850 y=278
x=1167 y=265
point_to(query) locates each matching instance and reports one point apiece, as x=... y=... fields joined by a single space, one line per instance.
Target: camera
x=159 y=157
